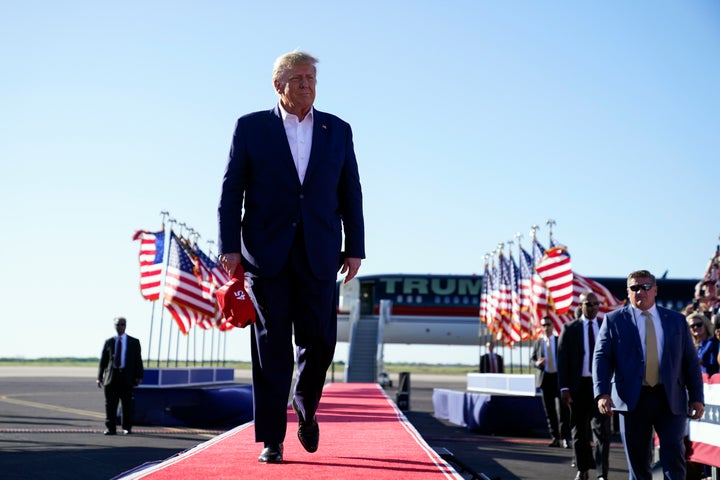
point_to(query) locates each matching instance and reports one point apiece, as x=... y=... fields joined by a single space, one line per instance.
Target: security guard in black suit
x=120 y=369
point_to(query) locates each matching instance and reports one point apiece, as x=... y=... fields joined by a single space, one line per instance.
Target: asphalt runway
x=52 y=419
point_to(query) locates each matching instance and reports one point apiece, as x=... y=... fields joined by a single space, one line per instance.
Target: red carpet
x=362 y=435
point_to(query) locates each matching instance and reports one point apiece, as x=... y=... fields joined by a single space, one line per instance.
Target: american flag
x=515 y=333
x=502 y=301
x=608 y=301
x=493 y=315
x=213 y=277
x=537 y=251
x=183 y=289
x=152 y=250
x=484 y=296
x=555 y=270
x=521 y=308
x=704 y=434
x=184 y=317
x=530 y=302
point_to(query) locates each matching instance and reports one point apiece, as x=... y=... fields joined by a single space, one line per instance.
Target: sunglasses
x=546 y=324
x=644 y=286
x=696 y=325
x=591 y=304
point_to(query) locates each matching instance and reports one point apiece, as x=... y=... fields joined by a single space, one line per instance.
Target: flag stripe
x=151 y=262
x=184 y=289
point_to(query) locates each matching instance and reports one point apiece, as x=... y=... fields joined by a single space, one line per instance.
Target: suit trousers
x=588 y=422
x=636 y=429
x=292 y=300
x=552 y=405
x=119 y=391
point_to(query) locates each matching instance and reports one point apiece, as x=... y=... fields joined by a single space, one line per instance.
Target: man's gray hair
x=287 y=61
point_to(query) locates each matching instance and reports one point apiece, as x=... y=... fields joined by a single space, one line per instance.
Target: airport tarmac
x=51 y=423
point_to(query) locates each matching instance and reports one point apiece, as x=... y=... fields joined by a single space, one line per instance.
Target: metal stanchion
x=402 y=398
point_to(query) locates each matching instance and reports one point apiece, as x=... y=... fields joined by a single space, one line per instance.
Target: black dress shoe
x=272 y=453
x=308 y=430
x=109 y=432
x=554 y=443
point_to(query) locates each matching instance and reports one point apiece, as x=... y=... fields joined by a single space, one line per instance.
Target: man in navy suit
x=646 y=368
x=291 y=189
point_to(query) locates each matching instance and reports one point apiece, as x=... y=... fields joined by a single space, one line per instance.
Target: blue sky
x=472 y=120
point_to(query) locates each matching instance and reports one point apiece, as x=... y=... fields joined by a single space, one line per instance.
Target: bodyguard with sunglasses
x=645 y=367
x=575 y=354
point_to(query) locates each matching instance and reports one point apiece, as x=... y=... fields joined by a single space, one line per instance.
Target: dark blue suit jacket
x=263 y=200
x=133 y=362
x=619 y=365
x=571 y=351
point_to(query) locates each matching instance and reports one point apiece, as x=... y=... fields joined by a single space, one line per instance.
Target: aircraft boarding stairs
x=362 y=354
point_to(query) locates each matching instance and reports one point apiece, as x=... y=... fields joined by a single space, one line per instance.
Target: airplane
x=444 y=309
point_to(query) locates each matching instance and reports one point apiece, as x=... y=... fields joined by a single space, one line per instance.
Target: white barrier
x=501 y=384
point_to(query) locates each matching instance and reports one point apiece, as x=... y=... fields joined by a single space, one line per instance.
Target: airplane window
x=399 y=299
x=418 y=299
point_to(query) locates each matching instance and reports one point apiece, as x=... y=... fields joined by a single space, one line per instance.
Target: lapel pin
x=324 y=126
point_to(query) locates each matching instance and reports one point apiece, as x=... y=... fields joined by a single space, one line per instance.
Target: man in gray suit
x=545 y=359
x=645 y=367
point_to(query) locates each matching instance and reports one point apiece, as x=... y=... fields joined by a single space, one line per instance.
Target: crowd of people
x=703 y=318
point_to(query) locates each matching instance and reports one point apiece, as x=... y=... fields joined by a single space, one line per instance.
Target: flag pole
x=518 y=237
x=210 y=243
x=166 y=256
x=152 y=321
x=177 y=347
x=533 y=233
x=194 y=235
x=187 y=349
x=163 y=214
x=225 y=349
x=510 y=262
x=550 y=223
x=194 y=357
x=171 y=222
x=202 y=349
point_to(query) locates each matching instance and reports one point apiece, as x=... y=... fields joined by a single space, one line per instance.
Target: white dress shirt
x=299 y=135
x=659 y=335
x=550 y=352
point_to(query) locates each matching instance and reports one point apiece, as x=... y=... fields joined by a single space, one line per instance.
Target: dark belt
x=656 y=389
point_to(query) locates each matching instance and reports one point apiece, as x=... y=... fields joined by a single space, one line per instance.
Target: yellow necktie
x=651 y=352
x=550 y=361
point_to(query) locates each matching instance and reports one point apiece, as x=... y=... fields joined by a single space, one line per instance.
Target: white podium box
x=501 y=384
